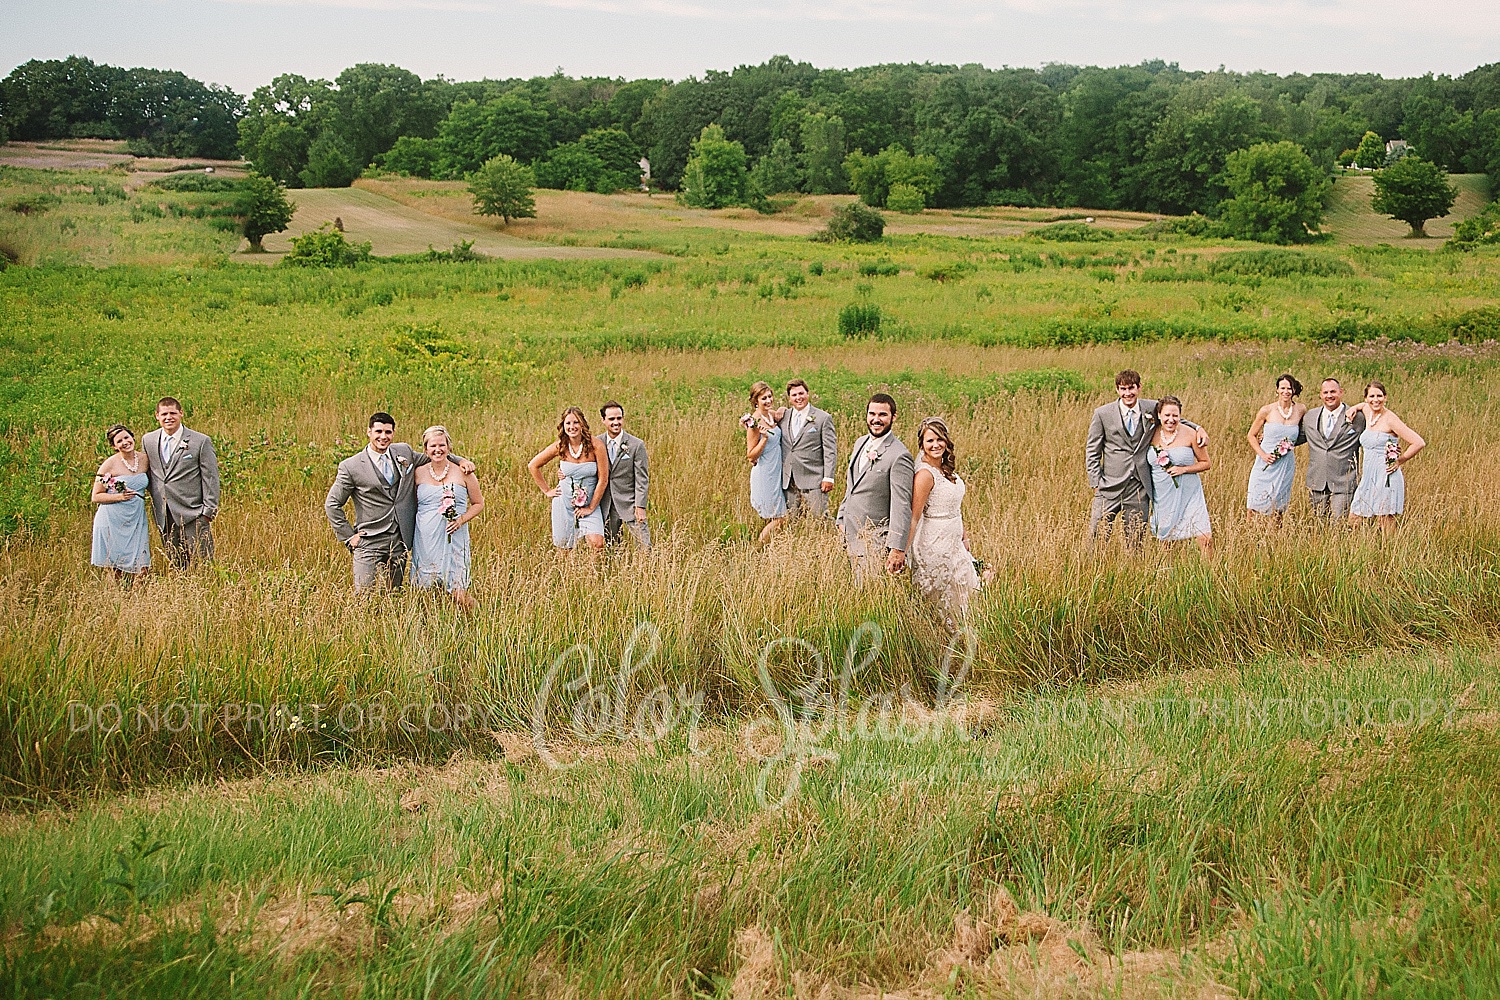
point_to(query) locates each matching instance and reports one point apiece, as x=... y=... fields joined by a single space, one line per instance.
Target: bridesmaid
x=441 y=550
x=1381 y=492
x=1180 y=510
x=583 y=482
x=763 y=452
x=1272 y=437
x=122 y=539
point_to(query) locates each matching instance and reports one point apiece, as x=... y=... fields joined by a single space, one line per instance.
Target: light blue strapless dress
x=1177 y=512
x=566 y=528
x=122 y=537
x=1270 y=488
x=1375 y=495
x=438 y=557
x=765 y=480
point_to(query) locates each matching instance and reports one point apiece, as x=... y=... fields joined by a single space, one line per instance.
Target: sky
x=244 y=43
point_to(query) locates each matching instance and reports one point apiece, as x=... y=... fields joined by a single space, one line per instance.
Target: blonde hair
x=758 y=390
x=948 y=465
x=437 y=429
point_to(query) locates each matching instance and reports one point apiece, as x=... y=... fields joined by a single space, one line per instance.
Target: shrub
x=859 y=319
x=33 y=204
x=325 y=247
x=883 y=269
x=197 y=183
x=1072 y=232
x=1280 y=264
x=1056 y=381
x=263 y=209
x=854 y=223
x=716 y=175
x=815 y=268
x=1472 y=326
x=329 y=163
x=906 y=199
x=952 y=270
x=1476 y=230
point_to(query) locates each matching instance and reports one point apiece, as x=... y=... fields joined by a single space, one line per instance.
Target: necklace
x=135 y=466
x=1286 y=414
x=1166 y=440
x=432 y=468
x=575 y=453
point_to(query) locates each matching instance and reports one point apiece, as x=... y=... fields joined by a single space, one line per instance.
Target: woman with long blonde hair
x=763 y=452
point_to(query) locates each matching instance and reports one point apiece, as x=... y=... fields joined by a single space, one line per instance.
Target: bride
x=942 y=567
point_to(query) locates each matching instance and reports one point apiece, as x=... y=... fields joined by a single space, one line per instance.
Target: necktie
x=166 y=449
x=385 y=468
x=798 y=422
x=614 y=450
x=1130 y=422
x=1328 y=416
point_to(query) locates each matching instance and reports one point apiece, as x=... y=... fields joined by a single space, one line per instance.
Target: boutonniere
x=402 y=461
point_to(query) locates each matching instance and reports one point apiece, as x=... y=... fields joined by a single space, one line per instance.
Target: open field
x=1271 y=773
x=393 y=228
x=1350 y=220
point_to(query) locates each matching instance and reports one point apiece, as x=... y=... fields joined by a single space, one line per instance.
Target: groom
x=875 y=516
x=381 y=479
x=1118 y=469
x=629 y=479
x=1332 y=452
x=184 y=483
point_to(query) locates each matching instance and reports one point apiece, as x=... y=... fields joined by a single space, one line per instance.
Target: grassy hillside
x=1350 y=220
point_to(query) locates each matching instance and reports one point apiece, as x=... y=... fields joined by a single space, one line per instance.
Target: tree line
x=1151 y=137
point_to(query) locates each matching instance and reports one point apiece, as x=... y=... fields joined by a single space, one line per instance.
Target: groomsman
x=1118 y=469
x=629 y=479
x=183 y=477
x=875 y=517
x=381 y=480
x=1332 y=452
x=809 y=453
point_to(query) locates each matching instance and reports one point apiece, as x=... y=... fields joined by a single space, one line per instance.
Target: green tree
x=823 y=153
x=906 y=198
x=325 y=247
x=1276 y=193
x=1370 y=153
x=264 y=208
x=854 y=223
x=570 y=167
x=475 y=133
x=1184 y=161
x=283 y=119
x=1413 y=190
x=777 y=171
x=872 y=177
x=329 y=163
x=503 y=187
x=377 y=104
x=412 y=156
x=715 y=176
x=618 y=156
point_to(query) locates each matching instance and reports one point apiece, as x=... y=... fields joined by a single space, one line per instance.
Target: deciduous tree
x=503 y=187
x=1276 y=193
x=1413 y=190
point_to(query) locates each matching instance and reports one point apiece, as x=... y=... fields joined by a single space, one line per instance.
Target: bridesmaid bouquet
x=750 y=421
x=1164 y=460
x=448 y=507
x=578 y=498
x=112 y=484
x=1392 y=459
x=1283 y=448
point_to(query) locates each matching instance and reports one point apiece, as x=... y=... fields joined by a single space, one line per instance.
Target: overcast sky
x=243 y=43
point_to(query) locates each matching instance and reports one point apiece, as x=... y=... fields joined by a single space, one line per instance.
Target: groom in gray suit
x=183 y=477
x=381 y=479
x=1118 y=469
x=875 y=517
x=1332 y=452
x=809 y=453
x=629 y=479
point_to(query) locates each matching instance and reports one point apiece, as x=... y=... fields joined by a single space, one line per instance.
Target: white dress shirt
x=1127 y=413
x=615 y=444
x=799 y=421
x=1330 y=419
x=383 y=464
x=169 y=443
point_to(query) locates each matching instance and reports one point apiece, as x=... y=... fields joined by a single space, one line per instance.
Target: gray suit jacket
x=813 y=457
x=880 y=497
x=1332 y=462
x=187 y=485
x=1114 y=457
x=379 y=508
x=629 y=477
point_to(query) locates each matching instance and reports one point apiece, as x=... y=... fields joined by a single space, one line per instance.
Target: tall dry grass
x=274 y=622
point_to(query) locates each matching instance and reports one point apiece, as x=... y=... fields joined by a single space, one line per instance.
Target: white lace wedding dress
x=942 y=568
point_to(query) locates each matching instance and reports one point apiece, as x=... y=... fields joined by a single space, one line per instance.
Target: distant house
x=1395 y=149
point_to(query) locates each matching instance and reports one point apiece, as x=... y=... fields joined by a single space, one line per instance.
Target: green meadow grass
x=1167 y=853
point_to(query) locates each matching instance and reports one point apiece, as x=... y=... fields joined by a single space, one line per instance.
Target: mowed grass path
x=392 y=228
x=1350 y=219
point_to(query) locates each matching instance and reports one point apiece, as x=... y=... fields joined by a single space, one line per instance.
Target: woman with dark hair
x=1179 y=510
x=583 y=482
x=122 y=538
x=942 y=566
x=1381 y=492
x=763 y=452
x=1273 y=436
